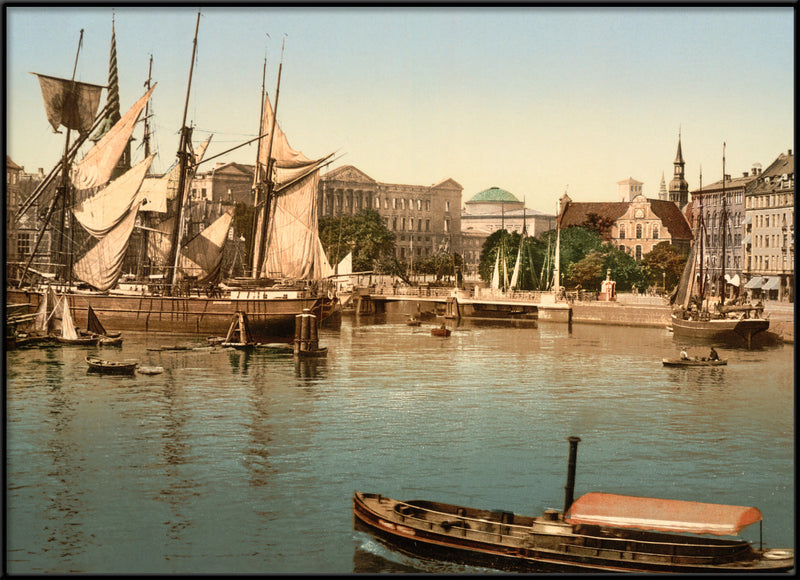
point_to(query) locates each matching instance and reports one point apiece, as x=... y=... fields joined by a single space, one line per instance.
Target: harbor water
x=236 y=462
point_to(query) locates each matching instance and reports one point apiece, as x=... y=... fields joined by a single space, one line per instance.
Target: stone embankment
x=632 y=310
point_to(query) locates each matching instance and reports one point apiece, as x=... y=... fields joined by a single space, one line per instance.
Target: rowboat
x=693 y=362
x=99 y=365
x=440 y=331
x=598 y=532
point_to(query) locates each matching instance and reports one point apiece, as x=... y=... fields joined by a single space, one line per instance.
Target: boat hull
x=490 y=542
x=269 y=319
x=678 y=362
x=723 y=329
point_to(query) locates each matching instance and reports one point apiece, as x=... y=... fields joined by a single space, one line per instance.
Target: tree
x=664 y=265
x=600 y=224
x=364 y=234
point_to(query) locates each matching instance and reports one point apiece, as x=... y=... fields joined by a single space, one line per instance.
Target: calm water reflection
x=246 y=462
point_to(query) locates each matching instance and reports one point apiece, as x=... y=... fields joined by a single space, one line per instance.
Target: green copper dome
x=495 y=194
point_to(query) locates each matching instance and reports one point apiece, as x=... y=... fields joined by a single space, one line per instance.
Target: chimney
x=569 y=489
x=790 y=152
x=744 y=173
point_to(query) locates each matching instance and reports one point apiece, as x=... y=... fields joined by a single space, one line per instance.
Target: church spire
x=679 y=156
x=679 y=187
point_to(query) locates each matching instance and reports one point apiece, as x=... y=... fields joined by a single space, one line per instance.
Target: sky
x=535 y=100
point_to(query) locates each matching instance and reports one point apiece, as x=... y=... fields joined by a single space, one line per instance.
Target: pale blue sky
x=533 y=100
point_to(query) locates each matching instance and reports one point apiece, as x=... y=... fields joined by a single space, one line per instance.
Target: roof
x=494 y=194
x=11 y=165
x=666 y=515
x=576 y=213
x=672 y=218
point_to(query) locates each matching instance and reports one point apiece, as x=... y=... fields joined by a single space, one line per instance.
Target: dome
x=494 y=194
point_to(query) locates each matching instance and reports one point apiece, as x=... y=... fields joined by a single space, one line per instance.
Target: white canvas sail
x=201 y=257
x=345 y=267
x=290 y=243
x=100 y=213
x=292 y=239
x=496 y=273
x=101 y=266
x=515 y=275
x=41 y=322
x=67 y=323
x=96 y=167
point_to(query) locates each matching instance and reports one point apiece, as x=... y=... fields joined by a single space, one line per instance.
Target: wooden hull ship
x=599 y=532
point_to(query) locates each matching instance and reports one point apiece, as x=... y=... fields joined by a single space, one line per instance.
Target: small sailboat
x=94 y=326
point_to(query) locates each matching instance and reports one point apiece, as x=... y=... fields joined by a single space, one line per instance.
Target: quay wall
x=621 y=314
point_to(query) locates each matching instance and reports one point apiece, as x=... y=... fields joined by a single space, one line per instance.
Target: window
x=638 y=253
x=394 y=203
x=622 y=231
x=24 y=244
x=419 y=225
x=419 y=205
x=655 y=232
x=447 y=206
x=638 y=233
x=394 y=223
x=447 y=224
x=427 y=225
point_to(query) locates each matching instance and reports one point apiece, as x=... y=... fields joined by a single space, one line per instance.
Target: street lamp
x=664 y=282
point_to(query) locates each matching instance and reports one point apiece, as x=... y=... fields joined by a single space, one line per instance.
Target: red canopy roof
x=666 y=515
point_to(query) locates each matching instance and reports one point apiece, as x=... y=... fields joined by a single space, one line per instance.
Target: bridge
x=457 y=303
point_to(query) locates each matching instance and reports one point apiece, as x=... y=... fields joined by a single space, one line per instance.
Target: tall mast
x=146 y=137
x=268 y=177
x=701 y=238
x=724 y=225
x=66 y=194
x=257 y=190
x=183 y=157
x=557 y=259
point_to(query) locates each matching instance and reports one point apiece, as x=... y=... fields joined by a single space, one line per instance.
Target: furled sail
x=201 y=256
x=69 y=103
x=101 y=213
x=41 y=321
x=95 y=169
x=101 y=266
x=496 y=272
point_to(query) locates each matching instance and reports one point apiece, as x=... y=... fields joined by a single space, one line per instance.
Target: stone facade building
x=637 y=226
x=707 y=208
x=21 y=234
x=768 y=243
x=426 y=220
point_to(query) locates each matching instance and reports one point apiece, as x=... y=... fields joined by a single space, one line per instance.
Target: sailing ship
x=289 y=265
x=695 y=314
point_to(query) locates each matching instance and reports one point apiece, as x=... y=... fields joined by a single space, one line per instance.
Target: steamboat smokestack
x=569 y=489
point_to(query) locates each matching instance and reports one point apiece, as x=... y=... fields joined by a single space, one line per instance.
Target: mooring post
x=569 y=489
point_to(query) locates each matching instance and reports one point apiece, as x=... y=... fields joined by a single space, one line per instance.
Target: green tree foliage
x=663 y=265
x=364 y=234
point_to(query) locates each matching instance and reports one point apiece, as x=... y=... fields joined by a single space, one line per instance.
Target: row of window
x=763 y=221
x=771 y=200
x=639 y=232
x=764 y=241
x=774 y=263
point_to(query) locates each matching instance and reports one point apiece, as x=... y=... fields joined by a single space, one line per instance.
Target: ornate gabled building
x=637 y=225
x=426 y=220
x=768 y=244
